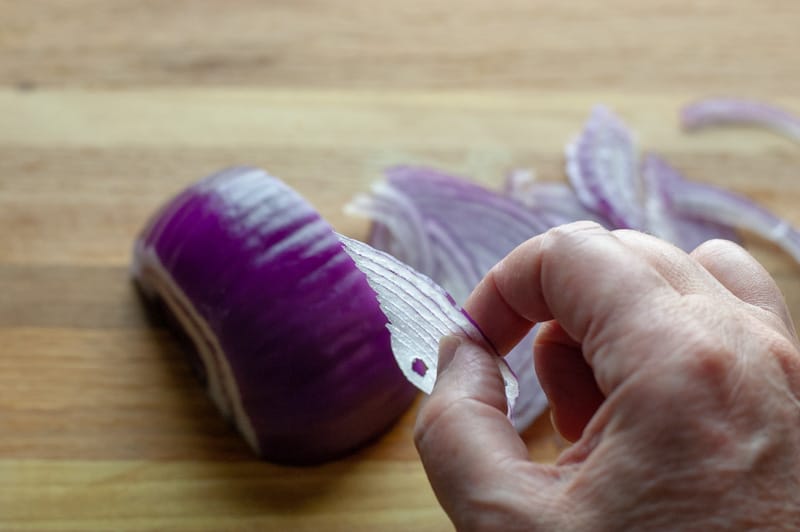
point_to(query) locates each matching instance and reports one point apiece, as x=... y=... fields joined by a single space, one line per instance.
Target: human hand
x=676 y=375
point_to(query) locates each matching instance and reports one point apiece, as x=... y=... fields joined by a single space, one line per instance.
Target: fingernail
x=447 y=350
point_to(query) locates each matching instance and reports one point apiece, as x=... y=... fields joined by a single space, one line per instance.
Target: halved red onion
x=463 y=229
x=291 y=335
x=723 y=111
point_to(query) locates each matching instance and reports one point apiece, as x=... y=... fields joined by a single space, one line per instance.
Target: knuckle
x=781 y=347
x=717 y=247
x=785 y=352
x=708 y=360
x=564 y=239
x=572 y=230
x=771 y=311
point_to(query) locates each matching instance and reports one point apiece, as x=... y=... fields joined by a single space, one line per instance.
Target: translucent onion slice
x=467 y=230
x=720 y=207
x=724 y=111
x=666 y=220
x=420 y=313
x=602 y=166
x=554 y=202
x=604 y=169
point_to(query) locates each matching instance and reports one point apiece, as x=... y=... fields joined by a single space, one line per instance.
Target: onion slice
x=420 y=313
x=602 y=166
x=444 y=226
x=668 y=220
x=725 y=111
x=554 y=202
x=720 y=207
x=466 y=229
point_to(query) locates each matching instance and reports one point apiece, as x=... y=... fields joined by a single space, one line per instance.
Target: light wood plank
x=137 y=495
x=709 y=46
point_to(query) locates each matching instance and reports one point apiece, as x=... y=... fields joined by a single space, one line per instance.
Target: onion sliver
x=720 y=207
x=602 y=166
x=420 y=313
x=713 y=112
x=554 y=202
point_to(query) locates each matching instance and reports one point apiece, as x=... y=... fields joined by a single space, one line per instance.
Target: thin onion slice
x=720 y=207
x=666 y=220
x=467 y=230
x=420 y=313
x=554 y=202
x=725 y=111
x=602 y=166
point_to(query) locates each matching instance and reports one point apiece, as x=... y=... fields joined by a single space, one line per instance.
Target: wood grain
x=108 y=108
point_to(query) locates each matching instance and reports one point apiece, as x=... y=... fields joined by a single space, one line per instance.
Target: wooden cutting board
x=108 y=108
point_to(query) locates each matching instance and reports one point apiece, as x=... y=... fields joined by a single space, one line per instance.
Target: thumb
x=473 y=456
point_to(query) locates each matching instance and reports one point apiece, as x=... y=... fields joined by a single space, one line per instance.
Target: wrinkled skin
x=677 y=376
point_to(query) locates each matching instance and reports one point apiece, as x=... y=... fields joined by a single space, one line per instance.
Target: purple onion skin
x=299 y=326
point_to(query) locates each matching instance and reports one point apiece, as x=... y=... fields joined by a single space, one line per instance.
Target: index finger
x=579 y=274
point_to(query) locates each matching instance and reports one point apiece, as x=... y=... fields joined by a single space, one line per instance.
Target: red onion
x=556 y=203
x=602 y=166
x=725 y=111
x=301 y=331
x=289 y=329
x=715 y=205
x=667 y=214
x=455 y=231
x=419 y=314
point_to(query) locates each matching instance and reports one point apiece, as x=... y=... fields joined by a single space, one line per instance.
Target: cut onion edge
x=419 y=314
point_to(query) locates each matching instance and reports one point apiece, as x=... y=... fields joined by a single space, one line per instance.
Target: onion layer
x=454 y=231
x=725 y=111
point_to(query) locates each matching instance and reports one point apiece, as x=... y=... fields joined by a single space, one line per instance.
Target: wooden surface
x=109 y=107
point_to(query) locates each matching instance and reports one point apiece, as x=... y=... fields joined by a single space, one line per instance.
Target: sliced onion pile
x=295 y=326
x=455 y=231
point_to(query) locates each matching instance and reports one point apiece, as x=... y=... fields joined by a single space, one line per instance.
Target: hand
x=676 y=375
